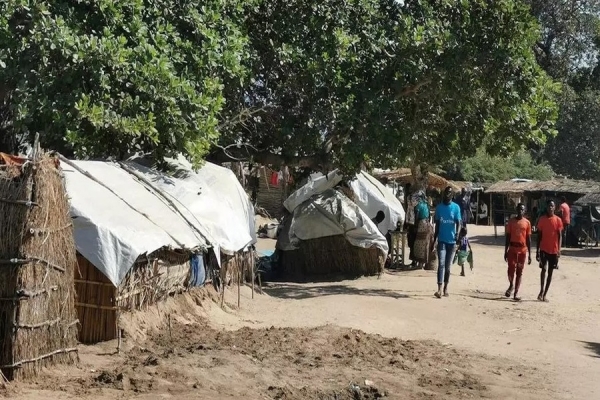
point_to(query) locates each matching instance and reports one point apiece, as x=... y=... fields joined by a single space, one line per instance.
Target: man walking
x=516 y=248
x=548 y=247
x=447 y=226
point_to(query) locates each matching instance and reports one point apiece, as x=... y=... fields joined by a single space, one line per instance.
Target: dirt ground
x=370 y=338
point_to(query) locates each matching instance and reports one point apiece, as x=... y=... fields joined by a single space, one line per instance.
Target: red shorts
x=517 y=257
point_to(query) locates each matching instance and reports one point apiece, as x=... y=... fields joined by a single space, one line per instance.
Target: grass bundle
x=38 y=325
x=328 y=258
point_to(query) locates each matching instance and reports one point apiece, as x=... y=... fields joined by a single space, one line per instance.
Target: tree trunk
x=420 y=174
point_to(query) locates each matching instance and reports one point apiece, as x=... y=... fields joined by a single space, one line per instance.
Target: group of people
x=449 y=237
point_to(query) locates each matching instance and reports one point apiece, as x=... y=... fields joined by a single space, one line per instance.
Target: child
x=464 y=250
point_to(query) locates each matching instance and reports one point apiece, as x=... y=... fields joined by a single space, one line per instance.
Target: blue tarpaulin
x=198 y=275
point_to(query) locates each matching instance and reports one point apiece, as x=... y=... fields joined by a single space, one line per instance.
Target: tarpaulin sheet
x=119 y=219
x=330 y=213
x=123 y=211
x=372 y=196
x=369 y=194
x=212 y=196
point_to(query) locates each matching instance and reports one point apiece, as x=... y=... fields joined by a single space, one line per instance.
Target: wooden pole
x=477 y=210
x=239 y=276
x=252 y=263
x=118 y=334
x=491 y=211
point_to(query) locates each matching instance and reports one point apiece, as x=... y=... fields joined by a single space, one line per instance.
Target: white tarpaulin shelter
x=330 y=213
x=119 y=216
x=370 y=195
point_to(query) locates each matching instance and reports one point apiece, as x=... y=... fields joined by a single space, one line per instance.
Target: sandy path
x=529 y=350
x=561 y=337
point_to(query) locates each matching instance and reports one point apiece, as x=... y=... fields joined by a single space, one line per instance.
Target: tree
x=568 y=50
x=576 y=150
x=380 y=82
x=100 y=78
x=567 y=40
x=484 y=168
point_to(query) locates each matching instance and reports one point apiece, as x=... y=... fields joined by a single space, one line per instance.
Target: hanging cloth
x=274 y=179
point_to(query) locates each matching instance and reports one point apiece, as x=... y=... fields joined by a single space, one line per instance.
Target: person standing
x=410 y=223
x=464 y=202
x=548 y=246
x=565 y=216
x=447 y=225
x=424 y=231
x=516 y=249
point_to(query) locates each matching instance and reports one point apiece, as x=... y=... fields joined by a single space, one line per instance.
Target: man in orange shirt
x=565 y=216
x=548 y=247
x=517 y=247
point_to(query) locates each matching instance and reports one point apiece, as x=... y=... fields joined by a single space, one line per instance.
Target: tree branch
x=316 y=162
x=412 y=89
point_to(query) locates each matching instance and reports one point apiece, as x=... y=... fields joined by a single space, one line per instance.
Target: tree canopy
x=310 y=83
x=484 y=168
x=101 y=78
x=568 y=49
x=379 y=81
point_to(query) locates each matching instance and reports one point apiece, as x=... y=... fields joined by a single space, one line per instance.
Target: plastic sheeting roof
x=330 y=213
x=119 y=216
x=370 y=195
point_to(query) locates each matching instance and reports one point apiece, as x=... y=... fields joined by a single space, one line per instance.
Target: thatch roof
x=404 y=176
x=555 y=186
x=590 y=199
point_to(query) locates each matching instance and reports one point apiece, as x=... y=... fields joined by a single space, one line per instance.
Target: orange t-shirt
x=565 y=211
x=519 y=230
x=550 y=227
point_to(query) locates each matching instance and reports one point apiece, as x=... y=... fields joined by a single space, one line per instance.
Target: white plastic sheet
x=330 y=213
x=213 y=197
x=372 y=196
x=132 y=213
x=316 y=185
x=113 y=226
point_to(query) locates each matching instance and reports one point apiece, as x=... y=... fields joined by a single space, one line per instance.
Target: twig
x=20 y=202
x=24 y=294
x=18 y=364
x=38 y=232
x=40 y=325
x=20 y=261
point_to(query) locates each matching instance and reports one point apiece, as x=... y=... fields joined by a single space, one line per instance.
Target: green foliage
x=485 y=168
x=103 y=78
x=575 y=152
x=568 y=50
x=384 y=82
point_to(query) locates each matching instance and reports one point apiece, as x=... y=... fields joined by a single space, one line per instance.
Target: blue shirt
x=446 y=216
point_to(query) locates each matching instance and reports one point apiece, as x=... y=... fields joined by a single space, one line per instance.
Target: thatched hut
x=143 y=235
x=37 y=261
x=531 y=192
x=590 y=199
x=404 y=176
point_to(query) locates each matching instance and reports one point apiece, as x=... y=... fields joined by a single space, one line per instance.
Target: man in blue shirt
x=447 y=226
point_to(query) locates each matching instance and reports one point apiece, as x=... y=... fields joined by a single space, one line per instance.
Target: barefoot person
x=548 y=247
x=447 y=226
x=517 y=247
